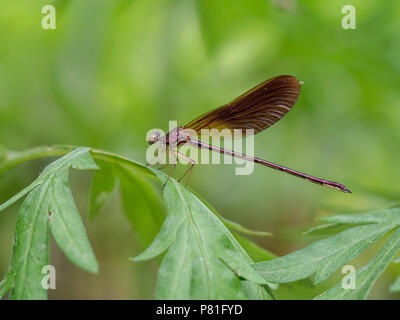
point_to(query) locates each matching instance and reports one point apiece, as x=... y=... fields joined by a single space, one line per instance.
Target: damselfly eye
x=153 y=138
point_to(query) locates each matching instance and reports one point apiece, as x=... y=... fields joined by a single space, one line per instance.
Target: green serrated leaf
x=204 y=260
x=31 y=246
x=101 y=189
x=49 y=199
x=367 y=275
x=324 y=257
x=66 y=224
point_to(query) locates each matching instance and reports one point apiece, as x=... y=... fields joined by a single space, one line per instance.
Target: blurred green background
x=113 y=69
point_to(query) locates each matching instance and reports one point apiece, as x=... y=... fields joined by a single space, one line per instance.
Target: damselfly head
x=154 y=137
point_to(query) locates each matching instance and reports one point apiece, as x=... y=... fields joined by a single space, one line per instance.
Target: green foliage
x=201 y=257
x=204 y=260
x=366 y=276
x=324 y=257
x=49 y=205
x=198 y=240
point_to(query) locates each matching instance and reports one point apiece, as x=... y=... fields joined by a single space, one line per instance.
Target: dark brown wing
x=257 y=109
